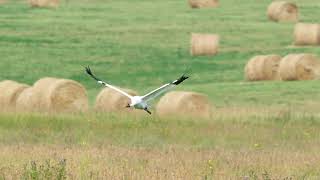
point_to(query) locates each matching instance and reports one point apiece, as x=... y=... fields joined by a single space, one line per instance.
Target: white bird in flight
x=140 y=102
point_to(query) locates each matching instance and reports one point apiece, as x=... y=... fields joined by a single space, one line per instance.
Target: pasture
x=258 y=130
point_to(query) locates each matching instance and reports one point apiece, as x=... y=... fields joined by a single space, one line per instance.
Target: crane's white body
x=140 y=102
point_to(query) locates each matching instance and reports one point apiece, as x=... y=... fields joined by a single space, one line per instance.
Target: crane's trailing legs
x=147 y=110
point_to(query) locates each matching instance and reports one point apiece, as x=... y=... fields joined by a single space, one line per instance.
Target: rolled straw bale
x=203 y=3
x=25 y=101
x=67 y=96
x=263 y=67
x=283 y=11
x=59 y=95
x=9 y=92
x=299 y=67
x=44 y=3
x=186 y=104
x=204 y=44
x=40 y=89
x=307 y=34
x=109 y=100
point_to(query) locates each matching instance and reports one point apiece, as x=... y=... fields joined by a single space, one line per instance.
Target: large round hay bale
x=25 y=101
x=59 y=95
x=307 y=34
x=185 y=104
x=44 y=3
x=203 y=3
x=40 y=89
x=204 y=44
x=66 y=96
x=264 y=67
x=283 y=11
x=109 y=100
x=299 y=67
x=9 y=92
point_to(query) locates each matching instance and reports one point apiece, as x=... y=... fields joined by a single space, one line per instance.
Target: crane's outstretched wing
x=155 y=93
x=88 y=70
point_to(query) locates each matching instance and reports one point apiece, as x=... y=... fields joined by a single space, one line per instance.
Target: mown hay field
x=257 y=129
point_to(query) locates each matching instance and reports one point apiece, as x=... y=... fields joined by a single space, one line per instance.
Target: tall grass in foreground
x=110 y=162
x=235 y=128
x=92 y=146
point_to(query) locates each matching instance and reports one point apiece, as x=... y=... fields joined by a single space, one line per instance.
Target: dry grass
x=238 y=143
x=170 y=163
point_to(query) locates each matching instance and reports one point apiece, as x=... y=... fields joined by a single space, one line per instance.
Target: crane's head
x=128 y=105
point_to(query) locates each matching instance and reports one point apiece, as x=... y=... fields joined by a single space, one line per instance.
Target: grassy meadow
x=258 y=130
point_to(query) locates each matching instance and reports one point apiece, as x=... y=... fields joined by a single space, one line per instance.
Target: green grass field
x=259 y=130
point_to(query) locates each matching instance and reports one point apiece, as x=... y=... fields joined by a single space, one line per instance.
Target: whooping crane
x=140 y=102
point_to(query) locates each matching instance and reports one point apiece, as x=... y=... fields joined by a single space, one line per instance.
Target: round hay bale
x=299 y=67
x=25 y=101
x=283 y=11
x=307 y=34
x=66 y=96
x=40 y=89
x=203 y=3
x=109 y=100
x=263 y=67
x=186 y=104
x=204 y=44
x=44 y=3
x=59 y=95
x=9 y=92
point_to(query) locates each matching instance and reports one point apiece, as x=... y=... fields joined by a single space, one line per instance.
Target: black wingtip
x=180 y=80
x=88 y=71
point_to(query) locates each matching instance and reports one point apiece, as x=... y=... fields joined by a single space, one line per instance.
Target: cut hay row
x=185 y=104
x=291 y=67
x=283 y=11
x=53 y=95
x=307 y=34
x=263 y=68
x=44 y=3
x=204 y=44
x=61 y=95
x=203 y=3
